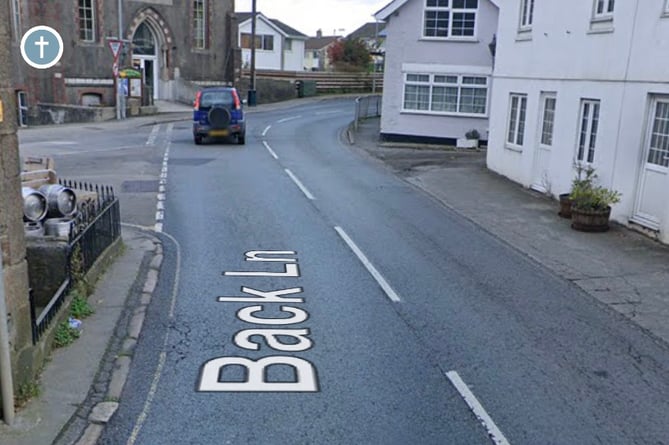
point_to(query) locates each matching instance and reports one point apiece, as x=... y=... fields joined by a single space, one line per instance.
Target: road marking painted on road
x=160 y=205
x=369 y=266
x=476 y=407
x=152 y=136
x=318 y=113
x=306 y=192
x=264 y=133
x=270 y=150
x=286 y=119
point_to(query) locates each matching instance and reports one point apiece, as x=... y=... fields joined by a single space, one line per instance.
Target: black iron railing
x=96 y=226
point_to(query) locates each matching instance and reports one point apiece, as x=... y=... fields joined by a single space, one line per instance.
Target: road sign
x=41 y=47
x=115 y=47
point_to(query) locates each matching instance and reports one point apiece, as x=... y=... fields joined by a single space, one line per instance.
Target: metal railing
x=366 y=107
x=96 y=226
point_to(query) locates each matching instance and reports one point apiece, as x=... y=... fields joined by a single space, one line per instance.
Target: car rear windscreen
x=216 y=98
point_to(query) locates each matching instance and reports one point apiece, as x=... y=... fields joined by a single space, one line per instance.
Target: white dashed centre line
x=286 y=119
x=476 y=407
x=270 y=150
x=152 y=136
x=369 y=266
x=160 y=204
x=297 y=182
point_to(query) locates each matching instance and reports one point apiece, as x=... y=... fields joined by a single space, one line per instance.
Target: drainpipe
x=7 y=139
x=6 y=384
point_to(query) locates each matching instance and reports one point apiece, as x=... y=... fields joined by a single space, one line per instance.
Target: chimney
x=319 y=33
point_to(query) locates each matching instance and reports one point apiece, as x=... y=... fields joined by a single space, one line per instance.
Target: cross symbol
x=42 y=43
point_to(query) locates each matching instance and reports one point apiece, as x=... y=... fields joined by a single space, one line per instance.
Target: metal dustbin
x=308 y=88
x=251 y=102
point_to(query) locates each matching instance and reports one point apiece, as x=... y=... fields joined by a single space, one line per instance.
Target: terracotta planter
x=590 y=220
x=565 y=206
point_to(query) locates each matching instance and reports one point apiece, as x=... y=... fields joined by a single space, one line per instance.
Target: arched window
x=144 y=42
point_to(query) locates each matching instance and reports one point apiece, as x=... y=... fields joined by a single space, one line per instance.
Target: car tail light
x=235 y=97
x=196 y=104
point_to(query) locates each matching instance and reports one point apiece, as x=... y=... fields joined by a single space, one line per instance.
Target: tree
x=349 y=55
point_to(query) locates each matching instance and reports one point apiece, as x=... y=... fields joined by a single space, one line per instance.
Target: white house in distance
x=316 y=52
x=586 y=81
x=438 y=69
x=278 y=46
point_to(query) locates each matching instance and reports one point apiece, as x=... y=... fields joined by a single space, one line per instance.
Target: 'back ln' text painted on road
x=257 y=371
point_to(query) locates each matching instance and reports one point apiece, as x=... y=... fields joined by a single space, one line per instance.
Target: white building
x=438 y=68
x=278 y=46
x=587 y=81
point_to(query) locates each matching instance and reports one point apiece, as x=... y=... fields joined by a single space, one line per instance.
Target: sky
x=340 y=17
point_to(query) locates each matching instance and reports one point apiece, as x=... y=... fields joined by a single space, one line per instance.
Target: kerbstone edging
x=103 y=411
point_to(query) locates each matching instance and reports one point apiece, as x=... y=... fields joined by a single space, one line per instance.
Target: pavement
x=624 y=270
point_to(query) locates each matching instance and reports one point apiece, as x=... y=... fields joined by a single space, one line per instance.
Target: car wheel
x=241 y=138
x=197 y=139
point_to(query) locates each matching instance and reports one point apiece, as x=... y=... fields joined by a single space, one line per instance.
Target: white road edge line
x=264 y=133
x=270 y=150
x=369 y=266
x=297 y=182
x=476 y=407
x=286 y=119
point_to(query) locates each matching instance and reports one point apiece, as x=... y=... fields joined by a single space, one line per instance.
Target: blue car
x=218 y=113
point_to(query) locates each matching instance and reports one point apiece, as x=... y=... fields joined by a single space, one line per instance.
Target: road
x=308 y=295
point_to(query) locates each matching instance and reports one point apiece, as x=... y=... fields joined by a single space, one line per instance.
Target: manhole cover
x=139 y=186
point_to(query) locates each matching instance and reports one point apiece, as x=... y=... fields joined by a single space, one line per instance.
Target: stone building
x=172 y=42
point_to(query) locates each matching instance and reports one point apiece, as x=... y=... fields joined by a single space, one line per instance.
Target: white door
x=651 y=199
x=542 y=152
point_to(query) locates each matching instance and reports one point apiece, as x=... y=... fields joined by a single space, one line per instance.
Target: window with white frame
x=288 y=45
x=604 y=9
x=526 y=14
x=16 y=19
x=517 y=113
x=262 y=42
x=658 y=152
x=587 y=133
x=450 y=18
x=199 y=24
x=446 y=93
x=548 y=120
x=666 y=7
x=87 y=20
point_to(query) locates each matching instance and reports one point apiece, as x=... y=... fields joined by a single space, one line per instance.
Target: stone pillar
x=12 y=238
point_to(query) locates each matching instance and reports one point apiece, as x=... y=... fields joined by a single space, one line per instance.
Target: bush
x=585 y=195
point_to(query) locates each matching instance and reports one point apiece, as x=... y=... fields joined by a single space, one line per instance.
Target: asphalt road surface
x=309 y=296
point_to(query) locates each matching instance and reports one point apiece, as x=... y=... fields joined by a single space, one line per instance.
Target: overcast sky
x=309 y=15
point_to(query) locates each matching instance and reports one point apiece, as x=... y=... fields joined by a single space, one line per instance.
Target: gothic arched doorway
x=145 y=50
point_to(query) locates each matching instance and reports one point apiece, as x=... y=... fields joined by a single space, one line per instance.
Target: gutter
x=6 y=384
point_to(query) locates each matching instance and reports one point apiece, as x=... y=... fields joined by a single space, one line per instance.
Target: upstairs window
x=604 y=9
x=16 y=19
x=199 y=24
x=450 y=18
x=87 y=20
x=526 y=14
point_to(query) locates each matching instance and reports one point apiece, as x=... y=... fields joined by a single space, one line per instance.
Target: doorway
x=145 y=57
x=653 y=181
x=544 y=144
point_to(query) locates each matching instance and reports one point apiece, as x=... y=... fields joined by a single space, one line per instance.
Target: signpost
x=115 y=46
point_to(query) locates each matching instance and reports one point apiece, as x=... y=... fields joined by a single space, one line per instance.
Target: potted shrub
x=585 y=175
x=471 y=139
x=591 y=206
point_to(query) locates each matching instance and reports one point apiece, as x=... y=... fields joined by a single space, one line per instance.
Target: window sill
x=445 y=114
x=514 y=148
x=665 y=15
x=524 y=35
x=450 y=39
x=601 y=30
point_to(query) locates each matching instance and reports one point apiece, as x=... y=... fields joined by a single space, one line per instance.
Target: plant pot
x=467 y=143
x=565 y=205
x=590 y=220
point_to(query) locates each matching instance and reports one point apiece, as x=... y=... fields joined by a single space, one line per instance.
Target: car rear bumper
x=207 y=130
